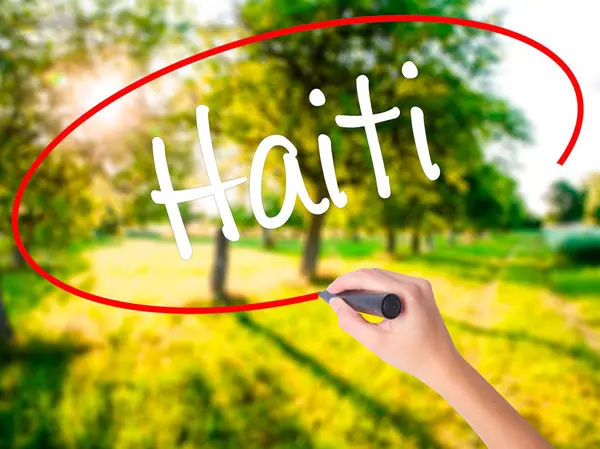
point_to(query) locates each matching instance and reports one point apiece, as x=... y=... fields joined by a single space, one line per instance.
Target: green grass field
x=89 y=376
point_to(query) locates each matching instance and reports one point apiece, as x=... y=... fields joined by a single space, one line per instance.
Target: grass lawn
x=90 y=376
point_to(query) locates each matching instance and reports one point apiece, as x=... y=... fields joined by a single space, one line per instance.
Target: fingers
x=407 y=287
x=363 y=279
x=354 y=324
x=423 y=284
x=400 y=276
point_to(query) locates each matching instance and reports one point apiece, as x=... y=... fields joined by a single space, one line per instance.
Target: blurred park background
x=519 y=288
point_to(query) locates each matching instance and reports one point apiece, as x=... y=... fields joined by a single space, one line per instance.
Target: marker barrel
x=384 y=305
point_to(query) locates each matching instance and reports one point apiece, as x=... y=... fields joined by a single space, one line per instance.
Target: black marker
x=385 y=305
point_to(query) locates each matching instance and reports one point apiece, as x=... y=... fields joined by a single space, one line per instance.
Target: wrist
x=445 y=370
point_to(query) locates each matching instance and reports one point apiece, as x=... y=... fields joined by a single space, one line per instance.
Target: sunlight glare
x=83 y=91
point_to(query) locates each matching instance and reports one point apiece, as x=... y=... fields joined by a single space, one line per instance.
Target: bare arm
x=418 y=343
x=496 y=422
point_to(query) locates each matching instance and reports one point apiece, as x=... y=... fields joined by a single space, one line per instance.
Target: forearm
x=419 y=344
x=496 y=422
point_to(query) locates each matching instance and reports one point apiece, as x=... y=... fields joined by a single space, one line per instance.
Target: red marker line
x=230 y=46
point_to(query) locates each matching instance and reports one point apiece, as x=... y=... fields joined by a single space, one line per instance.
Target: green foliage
x=76 y=189
x=566 y=202
x=592 y=199
x=297 y=220
x=271 y=81
x=243 y=217
x=492 y=200
x=21 y=122
x=134 y=179
x=272 y=204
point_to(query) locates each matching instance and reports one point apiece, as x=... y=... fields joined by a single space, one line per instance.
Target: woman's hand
x=417 y=342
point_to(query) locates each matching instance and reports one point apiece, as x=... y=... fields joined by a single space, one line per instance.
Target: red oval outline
x=230 y=46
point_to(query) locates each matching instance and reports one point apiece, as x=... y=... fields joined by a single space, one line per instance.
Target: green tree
x=271 y=82
x=490 y=199
x=40 y=49
x=592 y=199
x=6 y=332
x=40 y=41
x=21 y=118
x=566 y=202
x=243 y=217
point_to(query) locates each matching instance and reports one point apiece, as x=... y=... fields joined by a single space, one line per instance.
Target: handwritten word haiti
x=294 y=183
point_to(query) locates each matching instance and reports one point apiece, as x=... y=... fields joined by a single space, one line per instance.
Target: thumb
x=353 y=323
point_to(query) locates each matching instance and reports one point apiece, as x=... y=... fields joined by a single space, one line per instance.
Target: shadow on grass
x=401 y=420
x=23 y=289
x=529 y=270
x=457 y=265
x=577 y=281
x=214 y=425
x=31 y=377
x=260 y=417
x=581 y=353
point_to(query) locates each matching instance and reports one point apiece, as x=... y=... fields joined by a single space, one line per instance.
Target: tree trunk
x=355 y=236
x=391 y=241
x=18 y=261
x=6 y=333
x=219 y=269
x=311 y=247
x=415 y=242
x=452 y=237
x=268 y=242
x=430 y=241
